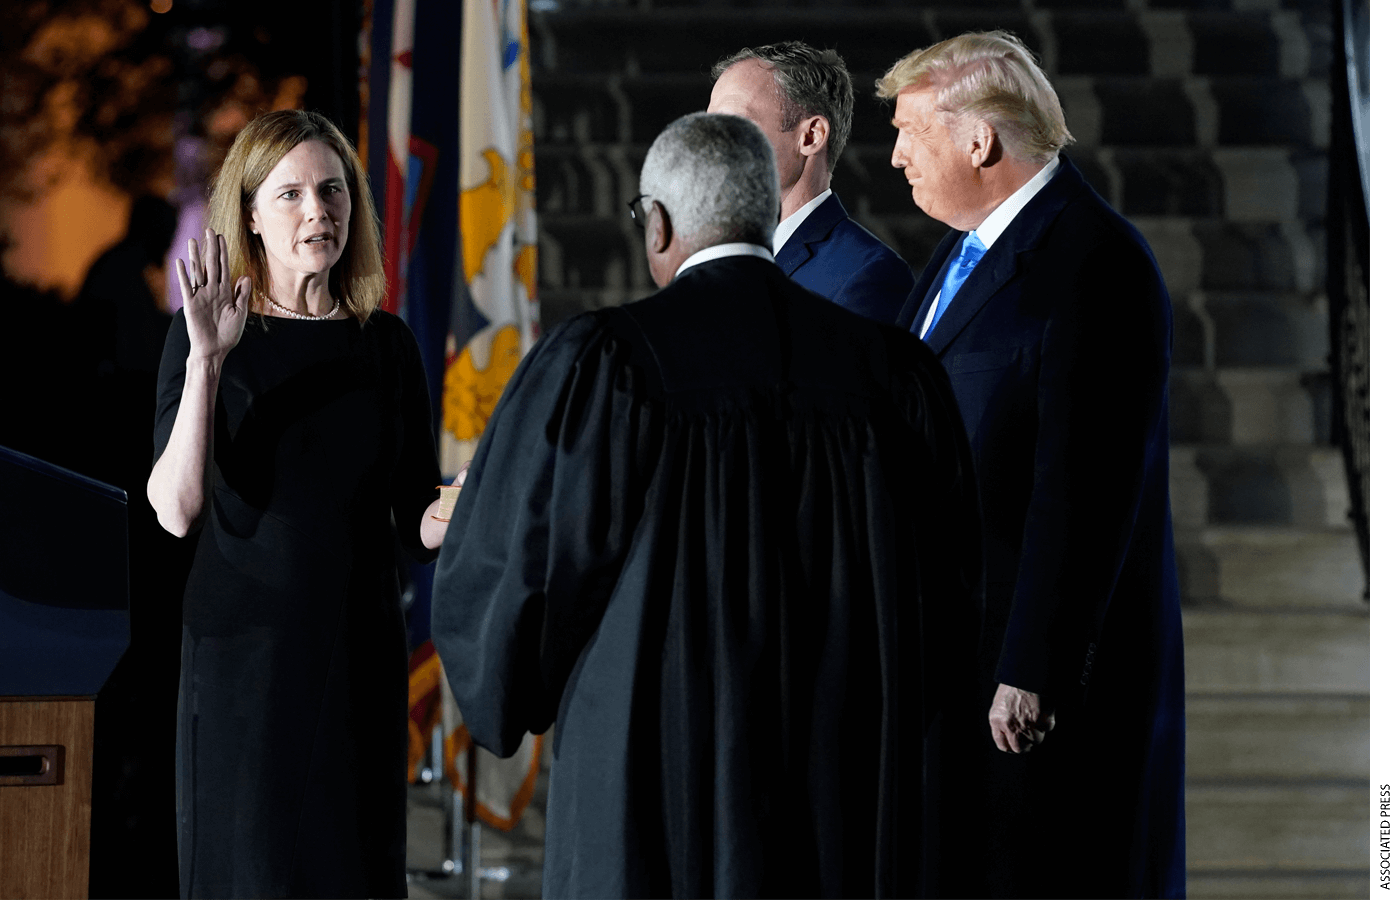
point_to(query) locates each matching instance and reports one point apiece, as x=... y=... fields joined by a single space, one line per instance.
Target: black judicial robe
x=725 y=540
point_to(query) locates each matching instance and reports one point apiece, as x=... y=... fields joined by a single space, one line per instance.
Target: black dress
x=725 y=540
x=293 y=681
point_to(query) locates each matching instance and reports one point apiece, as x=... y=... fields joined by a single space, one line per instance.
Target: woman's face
x=302 y=211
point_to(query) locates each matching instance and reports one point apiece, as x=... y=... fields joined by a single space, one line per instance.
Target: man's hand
x=1018 y=720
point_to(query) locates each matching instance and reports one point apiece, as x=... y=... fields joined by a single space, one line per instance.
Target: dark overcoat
x=1058 y=347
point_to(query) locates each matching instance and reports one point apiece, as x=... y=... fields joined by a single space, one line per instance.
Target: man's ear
x=984 y=147
x=659 y=232
x=816 y=131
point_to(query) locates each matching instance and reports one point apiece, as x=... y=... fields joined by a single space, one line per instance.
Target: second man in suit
x=801 y=98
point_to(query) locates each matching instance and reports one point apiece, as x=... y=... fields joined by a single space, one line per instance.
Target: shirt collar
x=718 y=251
x=788 y=226
x=992 y=226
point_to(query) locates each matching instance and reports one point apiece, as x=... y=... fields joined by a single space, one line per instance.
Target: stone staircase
x=1206 y=123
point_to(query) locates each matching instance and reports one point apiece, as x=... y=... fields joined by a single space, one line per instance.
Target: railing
x=1349 y=282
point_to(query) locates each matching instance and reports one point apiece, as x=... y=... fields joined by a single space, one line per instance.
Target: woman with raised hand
x=292 y=425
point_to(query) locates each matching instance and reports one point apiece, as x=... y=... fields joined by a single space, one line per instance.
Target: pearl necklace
x=297 y=315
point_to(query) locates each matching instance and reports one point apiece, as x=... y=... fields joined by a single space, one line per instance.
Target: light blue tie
x=972 y=250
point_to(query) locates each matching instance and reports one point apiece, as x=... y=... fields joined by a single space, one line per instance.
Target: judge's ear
x=816 y=131
x=659 y=231
x=984 y=147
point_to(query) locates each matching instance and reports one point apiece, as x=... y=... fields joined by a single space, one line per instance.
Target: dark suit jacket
x=1058 y=347
x=834 y=256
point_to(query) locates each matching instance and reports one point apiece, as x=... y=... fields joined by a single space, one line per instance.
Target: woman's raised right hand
x=214 y=310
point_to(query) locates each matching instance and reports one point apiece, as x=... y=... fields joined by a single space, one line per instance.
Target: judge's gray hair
x=716 y=176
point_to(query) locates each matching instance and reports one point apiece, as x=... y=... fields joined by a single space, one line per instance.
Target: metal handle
x=31 y=765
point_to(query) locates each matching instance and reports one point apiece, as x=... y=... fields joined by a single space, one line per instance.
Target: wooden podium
x=63 y=626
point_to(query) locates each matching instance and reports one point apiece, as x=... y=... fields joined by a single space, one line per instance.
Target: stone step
x=1280 y=738
x=1249 y=185
x=1242 y=652
x=1229 y=329
x=1280 y=829
x=1262 y=337
x=1265 y=184
x=644 y=41
x=557 y=305
x=1222 y=255
x=1251 y=885
x=1207 y=40
x=1250 y=406
x=1196 y=111
x=590 y=252
x=1270 y=568
x=590 y=179
x=1069 y=38
x=1259 y=282
x=1215 y=113
x=1270 y=485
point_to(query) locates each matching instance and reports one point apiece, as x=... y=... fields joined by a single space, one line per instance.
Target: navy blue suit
x=832 y=255
x=1058 y=347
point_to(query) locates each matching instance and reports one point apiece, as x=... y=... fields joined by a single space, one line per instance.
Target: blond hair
x=989 y=76
x=357 y=278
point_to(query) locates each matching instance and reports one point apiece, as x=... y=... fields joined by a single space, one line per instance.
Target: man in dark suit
x=801 y=98
x=1051 y=318
x=719 y=538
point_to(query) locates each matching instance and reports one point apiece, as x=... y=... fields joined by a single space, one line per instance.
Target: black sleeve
x=416 y=473
x=170 y=382
x=516 y=595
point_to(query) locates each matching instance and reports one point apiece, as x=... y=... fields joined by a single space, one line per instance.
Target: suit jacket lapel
x=813 y=230
x=1013 y=249
x=916 y=308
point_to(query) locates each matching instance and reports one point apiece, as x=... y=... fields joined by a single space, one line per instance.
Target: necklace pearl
x=297 y=315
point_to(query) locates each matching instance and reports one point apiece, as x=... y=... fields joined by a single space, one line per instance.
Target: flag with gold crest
x=460 y=259
x=499 y=320
x=496 y=321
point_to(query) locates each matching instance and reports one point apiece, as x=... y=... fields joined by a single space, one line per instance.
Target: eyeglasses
x=639 y=216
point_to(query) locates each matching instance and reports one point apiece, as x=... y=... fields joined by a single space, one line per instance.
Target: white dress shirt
x=789 y=225
x=719 y=251
x=998 y=220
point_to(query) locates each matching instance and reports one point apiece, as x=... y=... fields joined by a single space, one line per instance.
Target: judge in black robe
x=725 y=540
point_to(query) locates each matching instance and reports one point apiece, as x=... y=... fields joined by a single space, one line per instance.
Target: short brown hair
x=811 y=82
x=993 y=77
x=357 y=278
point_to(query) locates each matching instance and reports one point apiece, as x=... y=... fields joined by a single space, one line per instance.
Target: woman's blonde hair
x=357 y=278
x=993 y=77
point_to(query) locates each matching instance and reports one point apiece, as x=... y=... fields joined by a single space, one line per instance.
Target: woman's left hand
x=431 y=529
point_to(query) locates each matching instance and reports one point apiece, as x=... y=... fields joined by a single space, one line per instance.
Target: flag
x=457 y=194
x=424 y=704
x=495 y=320
x=498 y=319
x=397 y=245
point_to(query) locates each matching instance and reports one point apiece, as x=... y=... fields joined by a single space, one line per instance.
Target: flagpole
x=469 y=802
